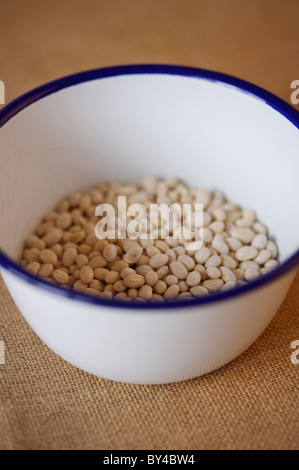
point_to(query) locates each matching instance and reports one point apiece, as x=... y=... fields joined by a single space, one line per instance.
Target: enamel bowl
x=124 y=123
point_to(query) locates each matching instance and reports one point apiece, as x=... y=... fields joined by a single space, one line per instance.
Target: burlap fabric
x=47 y=404
x=253 y=402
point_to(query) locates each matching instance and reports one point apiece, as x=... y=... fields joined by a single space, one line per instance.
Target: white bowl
x=125 y=123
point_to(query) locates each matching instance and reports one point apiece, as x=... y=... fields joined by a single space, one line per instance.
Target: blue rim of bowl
x=13 y=108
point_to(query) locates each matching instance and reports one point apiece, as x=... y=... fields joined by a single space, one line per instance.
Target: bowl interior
x=126 y=127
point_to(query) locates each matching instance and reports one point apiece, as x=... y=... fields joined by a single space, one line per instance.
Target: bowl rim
x=269 y=99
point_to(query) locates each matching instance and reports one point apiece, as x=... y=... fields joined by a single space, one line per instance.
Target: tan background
x=253 y=402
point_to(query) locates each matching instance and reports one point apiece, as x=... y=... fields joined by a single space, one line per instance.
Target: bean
x=133 y=293
x=183 y=286
x=171 y=292
x=80 y=286
x=170 y=279
x=77 y=237
x=143 y=269
x=239 y=274
x=271 y=246
x=214 y=260
x=249 y=265
x=213 y=272
x=91 y=291
x=235 y=246
x=187 y=261
x=85 y=249
x=163 y=247
x=69 y=257
x=91 y=240
x=259 y=228
x=227 y=275
x=245 y=235
x=217 y=226
x=100 y=273
x=110 y=252
x=152 y=251
x=213 y=285
x=93 y=254
x=63 y=220
x=106 y=295
x=109 y=288
x=246 y=253
x=119 y=286
x=179 y=250
x=82 y=260
x=202 y=255
x=119 y=265
x=100 y=245
x=251 y=274
x=145 y=292
x=97 y=262
x=126 y=271
x=31 y=240
x=260 y=241
x=227 y=286
x=48 y=256
x=32 y=255
x=128 y=244
x=205 y=235
x=121 y=295
x=220 y=246
x=96 y=284
x=157 y=261
x=157 y=298
x=198 y=291
x=171 y=255
x=39 y=244
x=42 y=228
x=272 y=263
x=142 y=260
x=160 y=287
x=86 y=274
x=58 y=250
x=112 y=276
x=151 y=277
x=146 y=242
x=52 y=236
x=46 y=270
x=33 y=267
x=228 y=261
x=60 y=276
x=134 y=280
x=233 y=243
x=162 y=272
x=184 y=295
x=193 y=278
x=263 y=257
x=178 y=269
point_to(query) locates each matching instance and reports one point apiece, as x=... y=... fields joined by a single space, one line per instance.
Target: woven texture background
x=253 y=402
